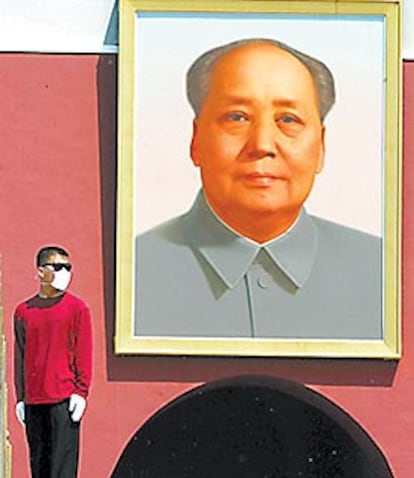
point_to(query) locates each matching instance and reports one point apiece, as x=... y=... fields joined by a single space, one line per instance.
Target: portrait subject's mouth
x=262 y=179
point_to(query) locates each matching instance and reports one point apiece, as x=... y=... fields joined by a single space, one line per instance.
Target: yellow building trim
x=5 y=447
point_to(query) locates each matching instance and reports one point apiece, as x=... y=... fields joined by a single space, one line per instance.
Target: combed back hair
x=45 y=253
x=199 y=73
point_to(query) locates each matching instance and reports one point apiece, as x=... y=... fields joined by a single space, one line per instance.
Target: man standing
x=53 y=358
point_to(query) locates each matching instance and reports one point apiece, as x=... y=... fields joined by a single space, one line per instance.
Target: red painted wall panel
x=57 y=185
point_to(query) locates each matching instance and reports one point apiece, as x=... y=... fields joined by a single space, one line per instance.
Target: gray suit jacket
x=197 y=278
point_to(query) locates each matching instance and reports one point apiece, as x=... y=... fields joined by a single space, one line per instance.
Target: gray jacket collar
x=231 y=255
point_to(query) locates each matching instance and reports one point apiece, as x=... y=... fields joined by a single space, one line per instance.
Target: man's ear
x=40 y=273
x=321 y=159
x=193 y=147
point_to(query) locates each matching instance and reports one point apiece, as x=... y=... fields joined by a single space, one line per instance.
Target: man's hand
x=20 y=412
x=77 y=405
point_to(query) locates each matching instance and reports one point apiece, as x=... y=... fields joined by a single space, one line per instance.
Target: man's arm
x=83 y=353
x=83 y=364
x=19 y=350
x=19 y=347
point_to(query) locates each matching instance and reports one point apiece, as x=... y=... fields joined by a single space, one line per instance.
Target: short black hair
x=45 y=252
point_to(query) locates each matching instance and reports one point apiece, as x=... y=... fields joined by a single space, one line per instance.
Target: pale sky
x=55 y=26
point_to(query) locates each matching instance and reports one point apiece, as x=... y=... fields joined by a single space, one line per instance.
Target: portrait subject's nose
x=262 y=139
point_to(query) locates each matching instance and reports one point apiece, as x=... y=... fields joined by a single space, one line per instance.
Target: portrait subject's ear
x=193 y=147
x=321 y=160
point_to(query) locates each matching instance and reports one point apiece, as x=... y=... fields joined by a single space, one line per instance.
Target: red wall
x=57 y=185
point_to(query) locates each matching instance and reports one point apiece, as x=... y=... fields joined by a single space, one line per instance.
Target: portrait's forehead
x=260 y=53
x=262 y=69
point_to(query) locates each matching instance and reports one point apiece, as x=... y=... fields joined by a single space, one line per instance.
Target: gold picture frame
x=140 y=16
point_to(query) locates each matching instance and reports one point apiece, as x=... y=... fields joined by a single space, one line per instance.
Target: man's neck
x=47 y=292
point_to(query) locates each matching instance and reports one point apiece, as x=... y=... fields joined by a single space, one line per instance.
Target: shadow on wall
x=186 y=369
x=251 y=427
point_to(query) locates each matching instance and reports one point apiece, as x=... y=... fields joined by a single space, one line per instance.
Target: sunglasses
x=58 y=266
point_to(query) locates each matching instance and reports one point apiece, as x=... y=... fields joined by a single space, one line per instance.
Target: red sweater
x=53 y=349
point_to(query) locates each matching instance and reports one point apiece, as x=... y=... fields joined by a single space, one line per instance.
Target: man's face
x=258 y=139
x=46 y=272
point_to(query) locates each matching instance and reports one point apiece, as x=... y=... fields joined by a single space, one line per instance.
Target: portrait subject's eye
x=288 y=119
x=289 y=124
x=236 y=116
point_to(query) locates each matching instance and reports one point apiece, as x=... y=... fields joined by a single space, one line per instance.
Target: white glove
x=20 y=411
x=77 y=405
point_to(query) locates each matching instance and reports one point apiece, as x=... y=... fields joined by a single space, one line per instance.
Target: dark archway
x=251 y=427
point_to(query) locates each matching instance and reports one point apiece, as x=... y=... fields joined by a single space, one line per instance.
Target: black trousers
x=53 y=440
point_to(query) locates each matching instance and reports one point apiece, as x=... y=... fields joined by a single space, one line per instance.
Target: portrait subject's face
x=258 y=139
